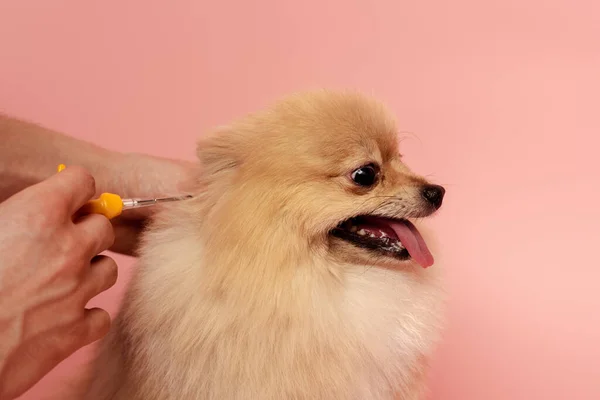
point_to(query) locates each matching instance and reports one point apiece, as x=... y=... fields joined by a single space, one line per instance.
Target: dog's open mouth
x=397 y=238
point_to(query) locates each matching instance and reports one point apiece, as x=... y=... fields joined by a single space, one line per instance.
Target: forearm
x=30 y=153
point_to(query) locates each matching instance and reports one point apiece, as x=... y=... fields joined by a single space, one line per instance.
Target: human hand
x=141 y=176
x=49 y=270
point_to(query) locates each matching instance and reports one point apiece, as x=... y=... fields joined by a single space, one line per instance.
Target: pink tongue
x=412 y=240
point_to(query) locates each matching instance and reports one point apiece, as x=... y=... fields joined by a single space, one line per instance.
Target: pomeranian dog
x=293 y=273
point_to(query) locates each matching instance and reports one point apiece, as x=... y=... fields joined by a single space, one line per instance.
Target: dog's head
x=318 y=173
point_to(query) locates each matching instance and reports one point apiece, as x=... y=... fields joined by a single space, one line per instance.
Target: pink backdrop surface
x=499 y=101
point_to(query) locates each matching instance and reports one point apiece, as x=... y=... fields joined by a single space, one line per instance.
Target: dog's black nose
x=434 y=194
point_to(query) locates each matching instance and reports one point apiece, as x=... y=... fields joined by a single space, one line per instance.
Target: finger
x=74 y=186
x=45 y=351
x=97 y=324
x=94 y=325
x=96 y=232
x=101 y=276
x=64 y=342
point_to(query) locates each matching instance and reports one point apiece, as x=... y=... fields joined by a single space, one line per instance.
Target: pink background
x=500 y=99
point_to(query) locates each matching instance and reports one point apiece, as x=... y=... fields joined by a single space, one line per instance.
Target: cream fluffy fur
x=241 y=293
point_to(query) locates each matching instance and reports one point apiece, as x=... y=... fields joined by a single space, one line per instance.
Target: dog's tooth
x=383 y=234
x=362 y=232
x=372 y=235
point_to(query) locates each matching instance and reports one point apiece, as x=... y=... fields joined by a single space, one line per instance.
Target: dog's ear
x=220 y=151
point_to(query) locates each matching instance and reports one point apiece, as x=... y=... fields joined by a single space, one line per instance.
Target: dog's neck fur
x=258 y=248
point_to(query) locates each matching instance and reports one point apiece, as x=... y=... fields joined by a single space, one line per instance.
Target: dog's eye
x=366 y=175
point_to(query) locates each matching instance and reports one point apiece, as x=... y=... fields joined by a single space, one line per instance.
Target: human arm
x=30 y=153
